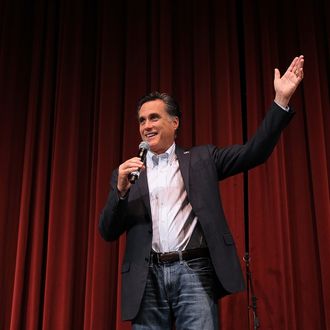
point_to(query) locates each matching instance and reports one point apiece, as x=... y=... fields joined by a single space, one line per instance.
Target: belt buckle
x=155 y=258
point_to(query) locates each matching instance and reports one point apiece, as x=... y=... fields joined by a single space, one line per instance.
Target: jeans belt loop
x=180 y=257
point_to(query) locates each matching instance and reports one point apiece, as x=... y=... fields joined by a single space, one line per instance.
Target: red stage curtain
x=70 y=75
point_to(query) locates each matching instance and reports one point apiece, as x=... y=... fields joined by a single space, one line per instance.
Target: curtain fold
x=71 y=73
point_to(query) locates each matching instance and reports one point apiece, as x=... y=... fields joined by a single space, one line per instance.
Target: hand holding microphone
x=129 y=171
x=143 y=149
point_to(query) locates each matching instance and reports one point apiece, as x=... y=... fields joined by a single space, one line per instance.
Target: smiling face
x=157 y=127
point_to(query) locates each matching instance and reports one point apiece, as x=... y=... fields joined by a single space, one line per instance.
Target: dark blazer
x=201 y=168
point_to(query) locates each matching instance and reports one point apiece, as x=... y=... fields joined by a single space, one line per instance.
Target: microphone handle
x=132 y=177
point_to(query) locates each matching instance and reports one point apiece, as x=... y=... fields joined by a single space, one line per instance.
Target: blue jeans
x=181 y=293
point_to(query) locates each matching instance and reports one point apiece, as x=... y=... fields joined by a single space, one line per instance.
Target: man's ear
x=175 y=122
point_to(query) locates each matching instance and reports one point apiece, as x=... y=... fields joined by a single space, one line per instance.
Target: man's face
x=157 y=127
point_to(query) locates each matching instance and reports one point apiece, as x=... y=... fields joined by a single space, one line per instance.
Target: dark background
x=70 y=75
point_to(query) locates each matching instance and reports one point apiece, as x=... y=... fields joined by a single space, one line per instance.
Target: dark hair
x=172 y=106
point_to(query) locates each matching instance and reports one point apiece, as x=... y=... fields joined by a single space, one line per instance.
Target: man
x=180 y=256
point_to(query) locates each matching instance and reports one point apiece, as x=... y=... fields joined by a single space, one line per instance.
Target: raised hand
x=286 y=85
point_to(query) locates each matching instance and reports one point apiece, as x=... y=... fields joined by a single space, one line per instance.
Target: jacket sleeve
x=238 y=158
x=112 y=218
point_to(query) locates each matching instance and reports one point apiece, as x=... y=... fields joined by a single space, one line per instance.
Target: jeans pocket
x=199 y=265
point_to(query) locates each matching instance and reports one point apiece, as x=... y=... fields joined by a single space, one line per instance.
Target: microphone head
x=144 y=145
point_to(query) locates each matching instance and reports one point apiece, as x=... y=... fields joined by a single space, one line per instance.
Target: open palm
x=286 y=85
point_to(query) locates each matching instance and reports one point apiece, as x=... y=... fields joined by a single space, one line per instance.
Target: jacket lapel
x=184 y=160
x=144 y=190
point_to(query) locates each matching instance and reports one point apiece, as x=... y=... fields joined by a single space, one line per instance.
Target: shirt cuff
x=287 y=108
x=122 y=197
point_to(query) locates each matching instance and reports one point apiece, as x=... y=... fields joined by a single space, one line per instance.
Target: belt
x=167 y=257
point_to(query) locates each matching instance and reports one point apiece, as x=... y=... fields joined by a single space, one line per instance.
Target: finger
x=277 y=74
x=132 y=169
x=127 y=167
x=293 y=64
x=298 y=67
x=301 y=62
x=137 y=163
x=132 y=162
x=127 y=171
x=300 y=73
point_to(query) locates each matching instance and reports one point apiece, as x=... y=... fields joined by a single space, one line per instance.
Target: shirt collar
x=169 y=155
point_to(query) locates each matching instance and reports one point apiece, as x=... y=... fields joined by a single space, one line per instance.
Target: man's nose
x=148 y=125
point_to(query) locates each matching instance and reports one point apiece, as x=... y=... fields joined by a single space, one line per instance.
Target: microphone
x=143 y=149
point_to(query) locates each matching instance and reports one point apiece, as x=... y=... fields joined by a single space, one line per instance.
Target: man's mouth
x=150 y=135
